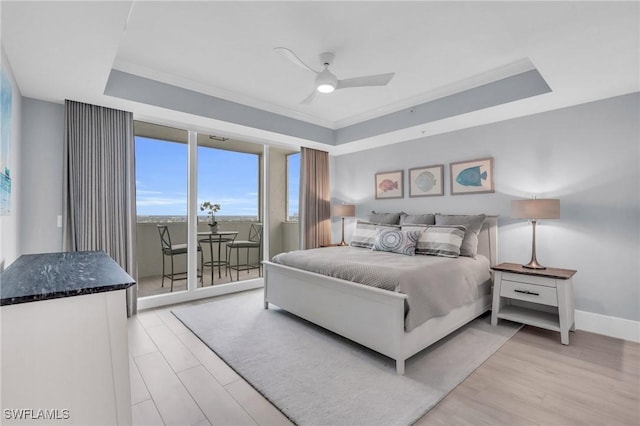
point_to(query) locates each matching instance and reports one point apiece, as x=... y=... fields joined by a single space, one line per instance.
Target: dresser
x=539 y=297
x=64 y=340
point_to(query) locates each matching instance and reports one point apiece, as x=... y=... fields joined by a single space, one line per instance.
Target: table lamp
x=343 y=210
x=533 y=210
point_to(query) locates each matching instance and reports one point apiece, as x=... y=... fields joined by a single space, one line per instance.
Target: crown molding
x=495 y=74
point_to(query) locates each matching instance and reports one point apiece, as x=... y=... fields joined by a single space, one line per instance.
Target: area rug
x=316 y=377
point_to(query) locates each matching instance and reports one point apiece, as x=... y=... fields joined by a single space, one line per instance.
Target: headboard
x=488 y=239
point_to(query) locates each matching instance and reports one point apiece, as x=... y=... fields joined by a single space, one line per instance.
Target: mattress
x=433 y=285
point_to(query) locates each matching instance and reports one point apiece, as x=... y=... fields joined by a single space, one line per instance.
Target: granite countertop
x=35 y=277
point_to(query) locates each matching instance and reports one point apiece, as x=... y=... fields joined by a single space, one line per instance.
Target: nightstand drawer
x=528 y=292
x=521 y=278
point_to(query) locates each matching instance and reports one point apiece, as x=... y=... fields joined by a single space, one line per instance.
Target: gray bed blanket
x=433 y=285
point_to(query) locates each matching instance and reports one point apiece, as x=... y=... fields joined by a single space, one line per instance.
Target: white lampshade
x=343 y=210
x=538 y=208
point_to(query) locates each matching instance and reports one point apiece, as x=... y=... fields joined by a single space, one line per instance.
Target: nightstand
x=539 y=297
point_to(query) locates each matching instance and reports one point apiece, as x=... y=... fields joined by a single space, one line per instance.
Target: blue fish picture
x=471 y=176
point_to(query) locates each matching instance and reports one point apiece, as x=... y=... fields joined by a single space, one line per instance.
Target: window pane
x=231 y=179
x=293 y=186
x=161 y=198
x=161 y=180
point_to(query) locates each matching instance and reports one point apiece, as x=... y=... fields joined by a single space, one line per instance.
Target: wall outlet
x=59 y=221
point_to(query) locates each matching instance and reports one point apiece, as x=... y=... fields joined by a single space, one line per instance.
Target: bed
x=371 y=316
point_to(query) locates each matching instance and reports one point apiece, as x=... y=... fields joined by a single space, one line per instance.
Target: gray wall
x=587 y=156
x=42 y=149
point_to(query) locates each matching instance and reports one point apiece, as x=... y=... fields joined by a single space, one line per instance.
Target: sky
x=293 y=184
x=224 y=177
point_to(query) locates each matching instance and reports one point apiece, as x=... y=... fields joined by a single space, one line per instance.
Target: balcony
x=283 y=237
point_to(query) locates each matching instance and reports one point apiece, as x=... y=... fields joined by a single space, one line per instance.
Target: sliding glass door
x=185 y=184
x=228 y=204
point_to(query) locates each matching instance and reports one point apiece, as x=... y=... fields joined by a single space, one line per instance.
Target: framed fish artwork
x=426 y=181
x=472 y=177
x=389 y=185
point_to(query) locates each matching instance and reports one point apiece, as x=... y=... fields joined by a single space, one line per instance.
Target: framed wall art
x=426 y=181
x=472 y=177
x=6 y=121
x=389 y=185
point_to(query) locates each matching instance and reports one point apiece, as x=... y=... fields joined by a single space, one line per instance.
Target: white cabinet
x=538 y=297
x=64 y=347
x=68 y=356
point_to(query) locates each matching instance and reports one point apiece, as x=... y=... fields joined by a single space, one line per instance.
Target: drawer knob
x=527 y=292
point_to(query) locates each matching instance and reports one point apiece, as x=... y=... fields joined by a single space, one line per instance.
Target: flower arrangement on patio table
x=212 y=209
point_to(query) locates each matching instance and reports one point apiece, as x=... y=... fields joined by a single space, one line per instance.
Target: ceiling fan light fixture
x=325 y=88
x=326 y=82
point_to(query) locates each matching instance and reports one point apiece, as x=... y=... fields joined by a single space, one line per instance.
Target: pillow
x=365 y=233
x=420 y=219
x=473 y=223
x=396 y=241
x=444 y=241
x=385 y=218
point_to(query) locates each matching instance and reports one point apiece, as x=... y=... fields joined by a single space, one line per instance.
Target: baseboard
x=609 y=326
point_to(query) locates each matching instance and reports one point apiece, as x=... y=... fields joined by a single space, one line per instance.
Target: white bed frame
x=368 y=315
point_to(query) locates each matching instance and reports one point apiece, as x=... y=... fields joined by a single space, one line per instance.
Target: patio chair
x=254 y=242
x=172 y=250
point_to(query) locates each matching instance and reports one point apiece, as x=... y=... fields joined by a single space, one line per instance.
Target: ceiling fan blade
x=309 y=98
x=288 y=53
x=369 y=80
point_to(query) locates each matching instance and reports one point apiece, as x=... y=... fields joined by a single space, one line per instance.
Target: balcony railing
x=284 y=238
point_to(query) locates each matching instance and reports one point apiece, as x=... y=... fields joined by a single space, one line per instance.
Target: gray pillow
x=386 y=218
x=417 y=219
x=365 y=233
x=472 y=223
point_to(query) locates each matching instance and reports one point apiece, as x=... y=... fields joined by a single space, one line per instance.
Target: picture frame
x=389 y=185
x=472 y=176
x=426 y=181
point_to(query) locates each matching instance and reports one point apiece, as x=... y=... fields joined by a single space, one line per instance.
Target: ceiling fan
x=326 y=81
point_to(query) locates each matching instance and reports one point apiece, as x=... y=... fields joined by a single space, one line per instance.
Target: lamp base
x=534 y=265
x=343 y=242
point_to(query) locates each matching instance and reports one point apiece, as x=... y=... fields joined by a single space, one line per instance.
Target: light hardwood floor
x=531 y=380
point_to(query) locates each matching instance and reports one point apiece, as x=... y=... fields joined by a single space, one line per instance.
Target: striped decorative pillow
x=472 y=224
x=365 y=234
x=442 y=241
x=397 y=241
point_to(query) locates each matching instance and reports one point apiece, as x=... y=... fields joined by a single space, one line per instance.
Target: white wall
x=42 y=176
x=588 y=156
x=10 y=224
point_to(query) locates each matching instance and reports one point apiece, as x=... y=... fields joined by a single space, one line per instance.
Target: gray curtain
x=315 y=201
x=99 y=191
